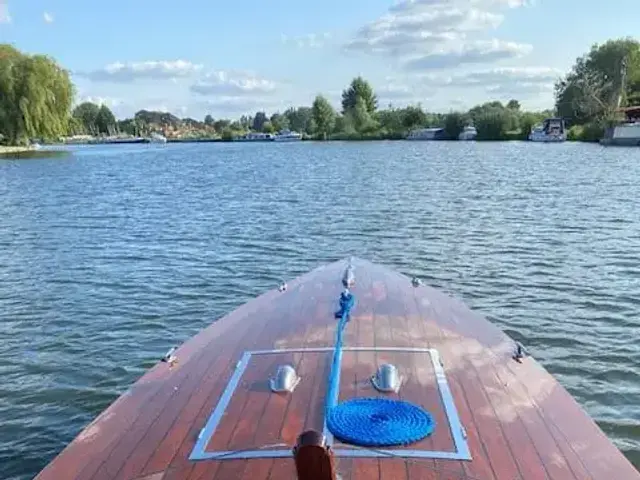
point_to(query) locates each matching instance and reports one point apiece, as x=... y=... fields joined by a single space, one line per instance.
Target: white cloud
x=510 y=76
x=149 y=70
x=311 y=40
x=416 y=5
x=5 y=17
x=108 y=101
x=438 y=33
x=232 y=84
x=234 y=106
x=48 y=17
x=480 y=51
x=534 y=83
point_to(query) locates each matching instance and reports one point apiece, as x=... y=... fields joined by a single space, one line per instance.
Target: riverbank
x=4 y=150
x=26 y=153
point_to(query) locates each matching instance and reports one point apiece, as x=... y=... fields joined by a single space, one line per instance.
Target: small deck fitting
x=285 y=381
x=387 y=379
x=170 y=356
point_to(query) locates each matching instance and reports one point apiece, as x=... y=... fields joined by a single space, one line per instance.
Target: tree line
x=36 y=99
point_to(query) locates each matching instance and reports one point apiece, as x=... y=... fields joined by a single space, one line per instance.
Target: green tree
x=362 y=119
x=220 y=125
x=35 y=97
x=492 y=124
x=258 y=121
x=267 y=127
x=600 y=82
x=413 y=117
x=344 y=125
x=105 y=120
x=527 y=121
x=359 y=88
x=246 y=121
x=299 y=119
x=128 y=126
x=75 y=126
x=513 y=105
x=454 y=123
x=324 y=116
x=208 y=120
x=391 y=122
x=87 y=114
x=279 y=122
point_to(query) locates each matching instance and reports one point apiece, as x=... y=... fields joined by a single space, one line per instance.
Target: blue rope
x=379 y=422
x=347 y=302
x=370 y=422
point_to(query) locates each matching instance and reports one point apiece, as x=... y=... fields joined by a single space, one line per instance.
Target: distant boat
x=468 y=133
x=287 y=136
x=157 y=138
x=427 y=134
x=255 y=137
x=626 y=133
x=551 y=130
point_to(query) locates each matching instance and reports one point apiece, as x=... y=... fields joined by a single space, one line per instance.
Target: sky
x=198 y=57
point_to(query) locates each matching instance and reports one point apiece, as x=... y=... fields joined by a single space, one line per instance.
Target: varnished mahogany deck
x=519 y=422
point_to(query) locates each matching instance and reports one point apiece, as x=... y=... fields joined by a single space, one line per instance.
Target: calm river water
x=111 y=255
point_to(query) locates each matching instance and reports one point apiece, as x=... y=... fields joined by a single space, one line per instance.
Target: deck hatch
x=460 y=450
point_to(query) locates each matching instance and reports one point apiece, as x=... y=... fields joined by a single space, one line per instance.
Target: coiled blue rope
x=370 y=422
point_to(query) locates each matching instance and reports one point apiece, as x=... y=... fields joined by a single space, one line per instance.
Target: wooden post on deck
x=314 y=460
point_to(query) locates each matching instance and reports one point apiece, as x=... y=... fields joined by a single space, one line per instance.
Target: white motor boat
x=468 y=133
x=551 y=130
x=157 y=138
x=287 y=136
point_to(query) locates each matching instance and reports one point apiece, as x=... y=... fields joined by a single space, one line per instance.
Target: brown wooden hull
x=518 y=422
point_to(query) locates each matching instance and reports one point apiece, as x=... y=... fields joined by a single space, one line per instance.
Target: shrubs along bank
x=36 y=99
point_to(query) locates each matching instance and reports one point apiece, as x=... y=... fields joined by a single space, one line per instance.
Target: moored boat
x=626 y=133
x=427 y=134
x=255 y=137
x=287 y=136
x=442 y=393
x=468 y=133
x=157 y=138
x=551 y=130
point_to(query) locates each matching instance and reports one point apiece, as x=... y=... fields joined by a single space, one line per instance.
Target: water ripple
x=112 y=255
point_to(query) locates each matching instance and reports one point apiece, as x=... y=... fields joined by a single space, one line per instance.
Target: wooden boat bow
x=211 y=412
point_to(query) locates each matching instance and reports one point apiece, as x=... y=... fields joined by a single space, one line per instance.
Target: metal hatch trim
x=457 y=431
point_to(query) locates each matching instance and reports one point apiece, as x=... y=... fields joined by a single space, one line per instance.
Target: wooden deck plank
x=363 y=469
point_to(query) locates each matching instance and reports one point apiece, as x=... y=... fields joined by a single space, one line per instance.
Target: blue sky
x=196 y=57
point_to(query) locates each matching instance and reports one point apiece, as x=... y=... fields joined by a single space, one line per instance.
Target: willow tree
x=35 y=96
